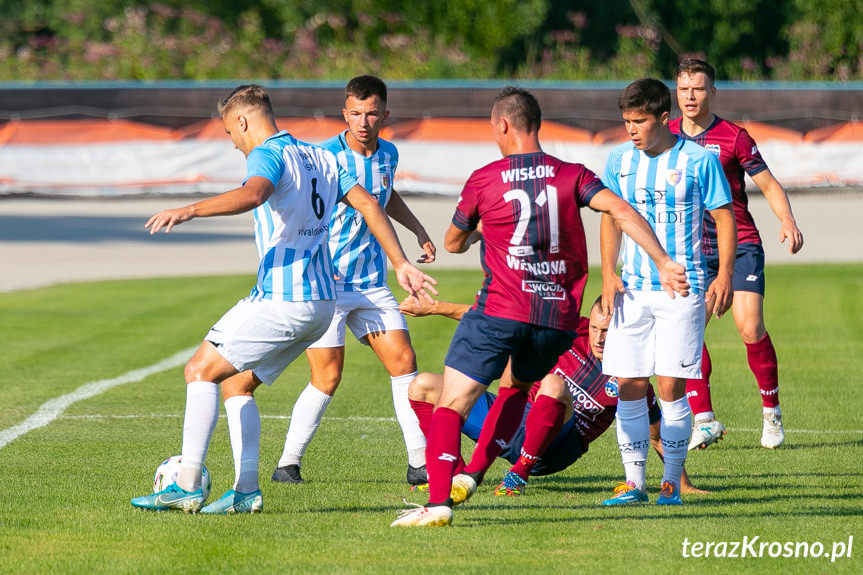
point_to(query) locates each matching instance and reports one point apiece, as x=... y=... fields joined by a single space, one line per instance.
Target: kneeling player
x=566 y=411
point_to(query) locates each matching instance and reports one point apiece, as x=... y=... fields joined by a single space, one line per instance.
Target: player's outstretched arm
x=609 y=250
x=781 y=206
x=398 y=210
x=672 y=275
x=457 y=241
x=720 y=294
x=420 y=308
x=409 y=277
x=237 y=201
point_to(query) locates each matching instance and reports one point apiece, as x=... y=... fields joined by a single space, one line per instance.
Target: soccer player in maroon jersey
x=738 y=155
x=541 y=445
x=535 y=260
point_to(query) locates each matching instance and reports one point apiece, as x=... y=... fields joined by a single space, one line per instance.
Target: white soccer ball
x=167 y=473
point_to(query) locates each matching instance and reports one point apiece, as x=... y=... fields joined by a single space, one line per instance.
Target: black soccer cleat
x=417 y=475
x=288 y=474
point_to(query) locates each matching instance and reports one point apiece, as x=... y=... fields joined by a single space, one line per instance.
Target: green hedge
x=401 y=39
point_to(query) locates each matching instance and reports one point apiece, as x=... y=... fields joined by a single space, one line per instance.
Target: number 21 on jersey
x=546 y=200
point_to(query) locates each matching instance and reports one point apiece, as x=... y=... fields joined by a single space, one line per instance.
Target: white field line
x=97 y=416
x=54 y=408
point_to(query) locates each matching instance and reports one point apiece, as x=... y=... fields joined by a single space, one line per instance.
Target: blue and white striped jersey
x=291 y=227
x=359 y=259
x=671 y=191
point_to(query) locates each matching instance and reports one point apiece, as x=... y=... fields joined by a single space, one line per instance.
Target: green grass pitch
x=65 y=487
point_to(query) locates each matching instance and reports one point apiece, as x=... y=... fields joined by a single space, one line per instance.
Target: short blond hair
x=248 y=96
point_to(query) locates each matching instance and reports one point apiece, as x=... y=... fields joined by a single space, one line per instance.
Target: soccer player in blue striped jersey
x=670 y=181
x=292 y=188
x=364 y=302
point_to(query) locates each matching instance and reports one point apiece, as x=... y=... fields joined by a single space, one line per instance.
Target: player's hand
x=428 y=247
x=416 y=307
x=792 y=233
x=672 y=278
x=415 y=282
x=611 y=286
x=719 y=296
x=168 y=219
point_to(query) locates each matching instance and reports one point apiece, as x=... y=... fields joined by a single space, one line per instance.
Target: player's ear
x=345 y=114
x=663 y=118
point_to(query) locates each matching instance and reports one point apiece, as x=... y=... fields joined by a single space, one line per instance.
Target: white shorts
x=365 y=312
x=652 y=334
x=266 y=335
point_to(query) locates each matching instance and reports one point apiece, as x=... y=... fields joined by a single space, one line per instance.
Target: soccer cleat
x=772 y=432
x=172 y=497
x=419 y=516
x=706 y=433
x=422 y=487
x=236 y=502
x=512 y=485
x=463 y=487
x=627 y=494
x=288 y=474
x=669 y=494
x=417 y=476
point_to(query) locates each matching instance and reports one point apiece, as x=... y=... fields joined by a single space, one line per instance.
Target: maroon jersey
x=594 y=395
x=738 y=155
x=533 y=248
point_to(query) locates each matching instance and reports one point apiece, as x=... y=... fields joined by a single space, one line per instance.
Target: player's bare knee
x=752 y=332
x=425 y=387
x=194 y=370
x=554 y=387
x=328 y=382
x=403 y=362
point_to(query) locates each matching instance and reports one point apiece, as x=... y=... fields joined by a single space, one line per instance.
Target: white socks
x=305 y=419
x=202 y=412
x=244 y=425
x=415 y=441
x=633 y=438
x=674 y=428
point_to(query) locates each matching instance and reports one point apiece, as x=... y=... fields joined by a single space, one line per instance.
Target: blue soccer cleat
x=669 y=494
x=172 y=497
x=236 y=502
x=627 y=494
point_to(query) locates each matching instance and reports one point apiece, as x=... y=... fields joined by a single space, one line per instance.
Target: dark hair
x=519 y=107
x=247 y=96
x=364 y=87
x=646 y=94
x=597 y=303
x=692 y=66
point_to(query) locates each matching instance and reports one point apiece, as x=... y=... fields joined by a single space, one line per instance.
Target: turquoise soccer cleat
x=669 y=495
x=627 y=494
x=172 y=497
x=236 y=502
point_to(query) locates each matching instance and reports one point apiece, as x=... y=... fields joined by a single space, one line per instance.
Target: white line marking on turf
x=54 y=408
x=177 y=416
x=391 y=419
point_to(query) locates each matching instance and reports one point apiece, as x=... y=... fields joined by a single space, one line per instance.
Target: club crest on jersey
x=673 y=177
x=611 y=387
x=385 y=178
x=714 y=149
